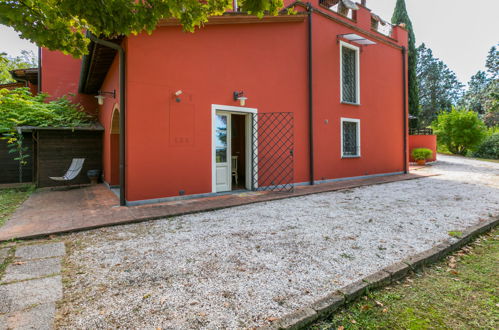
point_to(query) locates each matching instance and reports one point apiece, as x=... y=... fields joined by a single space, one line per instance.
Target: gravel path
x=240 y=267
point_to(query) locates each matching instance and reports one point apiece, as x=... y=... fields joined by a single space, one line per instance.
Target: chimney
x=363 y=3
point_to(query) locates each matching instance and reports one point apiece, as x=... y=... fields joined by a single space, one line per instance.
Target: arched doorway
x=114 y=179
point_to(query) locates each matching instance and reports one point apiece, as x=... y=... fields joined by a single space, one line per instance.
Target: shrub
x=459 y=130
x=421 y=153
x=19 y=108
x=489 y=148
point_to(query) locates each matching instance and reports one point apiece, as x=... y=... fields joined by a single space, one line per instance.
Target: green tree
x=27 y=59
x=61 y=24
x=439 y=88
x=476 y=95
x=492 y=92
x=482 y=95
x=400 y=15
x=492 y=63
x=459 y=130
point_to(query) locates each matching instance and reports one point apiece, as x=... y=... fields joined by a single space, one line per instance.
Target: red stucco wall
x=381 y=111
x=423 y=141
x=269 y=63
x=61 y=75
x=110 y=141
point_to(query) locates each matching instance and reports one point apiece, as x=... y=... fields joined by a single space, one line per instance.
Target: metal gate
x=273 y=151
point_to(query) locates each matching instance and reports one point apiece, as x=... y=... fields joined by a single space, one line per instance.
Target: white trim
x=357 y=71
x=248 y=122
x=228 y=150
x=231 y=108
x=351 y=120
x=116 y=107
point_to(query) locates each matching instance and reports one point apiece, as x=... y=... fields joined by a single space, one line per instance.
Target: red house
x=245 y=103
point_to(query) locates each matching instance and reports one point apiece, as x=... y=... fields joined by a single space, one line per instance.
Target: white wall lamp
x=239 y=96
x=101 y=96
x=177 y=95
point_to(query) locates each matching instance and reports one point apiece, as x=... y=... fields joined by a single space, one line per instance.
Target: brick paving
x=54 y=212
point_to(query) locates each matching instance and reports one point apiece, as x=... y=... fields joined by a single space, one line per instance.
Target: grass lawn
x=10 y=199
x=458 y=293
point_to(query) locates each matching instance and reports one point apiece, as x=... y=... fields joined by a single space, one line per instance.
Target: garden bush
x=489 y=148
x=19 y=108
x=421 y=153
x=459 y=130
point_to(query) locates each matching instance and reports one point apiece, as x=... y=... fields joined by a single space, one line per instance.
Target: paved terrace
x=52 y=212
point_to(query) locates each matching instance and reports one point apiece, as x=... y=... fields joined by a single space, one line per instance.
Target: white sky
x=460 y=32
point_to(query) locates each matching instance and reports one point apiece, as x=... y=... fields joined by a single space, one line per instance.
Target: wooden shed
x=54 y=149
x=9 y=168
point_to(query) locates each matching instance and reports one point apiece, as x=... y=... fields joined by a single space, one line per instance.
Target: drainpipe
x=121 y=53
x=404 y=77
x=310 y=95
x=39 y=69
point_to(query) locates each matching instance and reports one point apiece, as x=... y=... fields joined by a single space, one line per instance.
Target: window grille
x=349 y=74
x=273 y=145
x=350 y=139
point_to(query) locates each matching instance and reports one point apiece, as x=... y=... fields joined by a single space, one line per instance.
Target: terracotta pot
x=421 y=162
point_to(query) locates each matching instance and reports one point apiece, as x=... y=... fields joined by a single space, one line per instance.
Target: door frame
x=249 y=141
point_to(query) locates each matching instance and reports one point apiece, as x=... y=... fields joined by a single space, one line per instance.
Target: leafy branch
x=61 y=24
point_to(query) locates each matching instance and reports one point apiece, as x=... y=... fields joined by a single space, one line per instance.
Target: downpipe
x=310 y=95
x=404 y=77
x=121 y=53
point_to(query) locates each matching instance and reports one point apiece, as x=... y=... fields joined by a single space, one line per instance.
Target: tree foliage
x=27 y=59
x=459 y=130
x=492 y=63
x=482 y=95
x=489 y=148
x=400 y=15
x=19 y=108
x=476 y=95
x=439 y=88
x=61 y=24
x=492 y=91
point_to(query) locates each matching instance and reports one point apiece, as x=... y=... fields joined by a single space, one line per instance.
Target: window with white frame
x=350 y=137
x=349 y=73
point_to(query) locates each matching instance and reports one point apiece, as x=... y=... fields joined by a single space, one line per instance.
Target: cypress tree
x=400 y=16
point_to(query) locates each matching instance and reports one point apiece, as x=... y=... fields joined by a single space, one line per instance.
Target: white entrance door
x=223 y=151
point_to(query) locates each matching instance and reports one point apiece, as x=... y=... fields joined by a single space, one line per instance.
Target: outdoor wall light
x=177 y=95
x=101 y=96
x=239 y=96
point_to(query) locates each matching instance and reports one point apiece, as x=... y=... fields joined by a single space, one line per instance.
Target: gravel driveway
x=243 y=266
